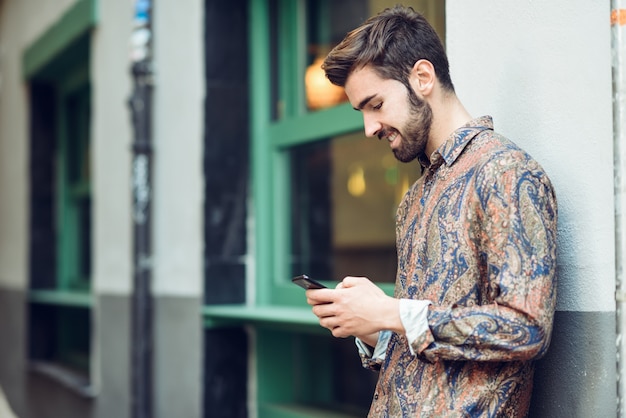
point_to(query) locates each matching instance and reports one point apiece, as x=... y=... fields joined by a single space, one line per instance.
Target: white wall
x=543 y=71
x=178 y=140
x=112 y=135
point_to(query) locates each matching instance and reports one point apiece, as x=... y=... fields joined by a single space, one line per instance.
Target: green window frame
x=60 y=58
x=285 y=351
x=271 y=141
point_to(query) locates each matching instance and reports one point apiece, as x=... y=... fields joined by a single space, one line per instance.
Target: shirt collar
x=452 y=147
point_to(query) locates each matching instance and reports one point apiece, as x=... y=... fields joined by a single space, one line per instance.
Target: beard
x=416 y=131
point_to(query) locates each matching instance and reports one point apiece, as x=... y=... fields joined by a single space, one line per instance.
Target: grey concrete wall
x=13 y=348
x=178 y=357
x=177 y=361
x=112 y=357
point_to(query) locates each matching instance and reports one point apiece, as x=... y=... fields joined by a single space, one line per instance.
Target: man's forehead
x=364 y=84
x=361 y=83
x=361 y=74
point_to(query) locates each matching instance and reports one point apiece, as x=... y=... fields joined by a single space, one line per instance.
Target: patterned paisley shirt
x=476 y=235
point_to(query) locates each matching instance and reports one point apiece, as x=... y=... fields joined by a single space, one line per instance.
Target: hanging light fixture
x=320 y=92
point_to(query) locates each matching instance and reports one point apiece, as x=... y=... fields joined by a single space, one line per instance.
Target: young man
x=476 y=239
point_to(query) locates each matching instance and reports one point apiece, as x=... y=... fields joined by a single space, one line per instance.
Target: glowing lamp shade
x=321 y=93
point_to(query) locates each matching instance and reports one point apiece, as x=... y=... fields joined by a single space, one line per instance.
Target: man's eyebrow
x=364 y=102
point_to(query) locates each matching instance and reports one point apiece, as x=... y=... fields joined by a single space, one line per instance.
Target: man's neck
x=449 y=114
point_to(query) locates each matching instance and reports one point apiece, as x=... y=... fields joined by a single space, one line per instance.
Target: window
x=325 y=200
x=344 y=195
x=325 y=195
x=57 y=69
x=60 y=294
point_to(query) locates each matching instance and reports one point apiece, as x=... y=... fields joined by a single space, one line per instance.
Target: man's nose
x=371 y=125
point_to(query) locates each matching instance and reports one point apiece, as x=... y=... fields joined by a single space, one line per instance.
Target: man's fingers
x=320 y=296
x=330 y=323
x=324 y=310
x=339 y=332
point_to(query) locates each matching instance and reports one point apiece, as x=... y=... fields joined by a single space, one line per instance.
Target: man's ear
x=422 y=77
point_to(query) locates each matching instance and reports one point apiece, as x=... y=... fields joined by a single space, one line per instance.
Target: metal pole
x=618 y=51
x=140 y=104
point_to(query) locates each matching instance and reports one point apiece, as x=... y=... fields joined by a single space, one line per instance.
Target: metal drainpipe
x=618 y=51
x=140 y=104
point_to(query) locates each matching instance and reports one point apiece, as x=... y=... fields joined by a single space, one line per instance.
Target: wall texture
x=178 y=136
x=543 y=71
x=111 y=149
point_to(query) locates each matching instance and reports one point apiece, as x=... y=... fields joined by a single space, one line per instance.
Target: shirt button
x=376 y=396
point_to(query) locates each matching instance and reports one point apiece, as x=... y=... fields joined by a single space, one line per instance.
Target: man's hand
x=355 y=307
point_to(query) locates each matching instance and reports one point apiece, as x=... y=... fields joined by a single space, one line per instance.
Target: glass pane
x=61 y=335
x=77 y=156
x=275 y=72
x=345 y=191
x=84 y=240
x=77 y=131
x=73 y=338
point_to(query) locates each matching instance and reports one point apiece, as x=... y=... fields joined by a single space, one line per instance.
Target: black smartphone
x=306 y=282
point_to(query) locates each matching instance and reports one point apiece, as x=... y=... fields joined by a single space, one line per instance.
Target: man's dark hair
x=391 y=43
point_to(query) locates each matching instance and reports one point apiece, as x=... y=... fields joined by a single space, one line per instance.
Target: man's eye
x=378 y=106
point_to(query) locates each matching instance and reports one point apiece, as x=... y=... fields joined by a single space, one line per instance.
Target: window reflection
x=345 y=191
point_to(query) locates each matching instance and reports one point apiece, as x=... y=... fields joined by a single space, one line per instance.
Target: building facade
x=258 y=177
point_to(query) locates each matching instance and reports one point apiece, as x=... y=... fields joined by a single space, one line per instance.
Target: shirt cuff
x=414 y=318
x=381 y=346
